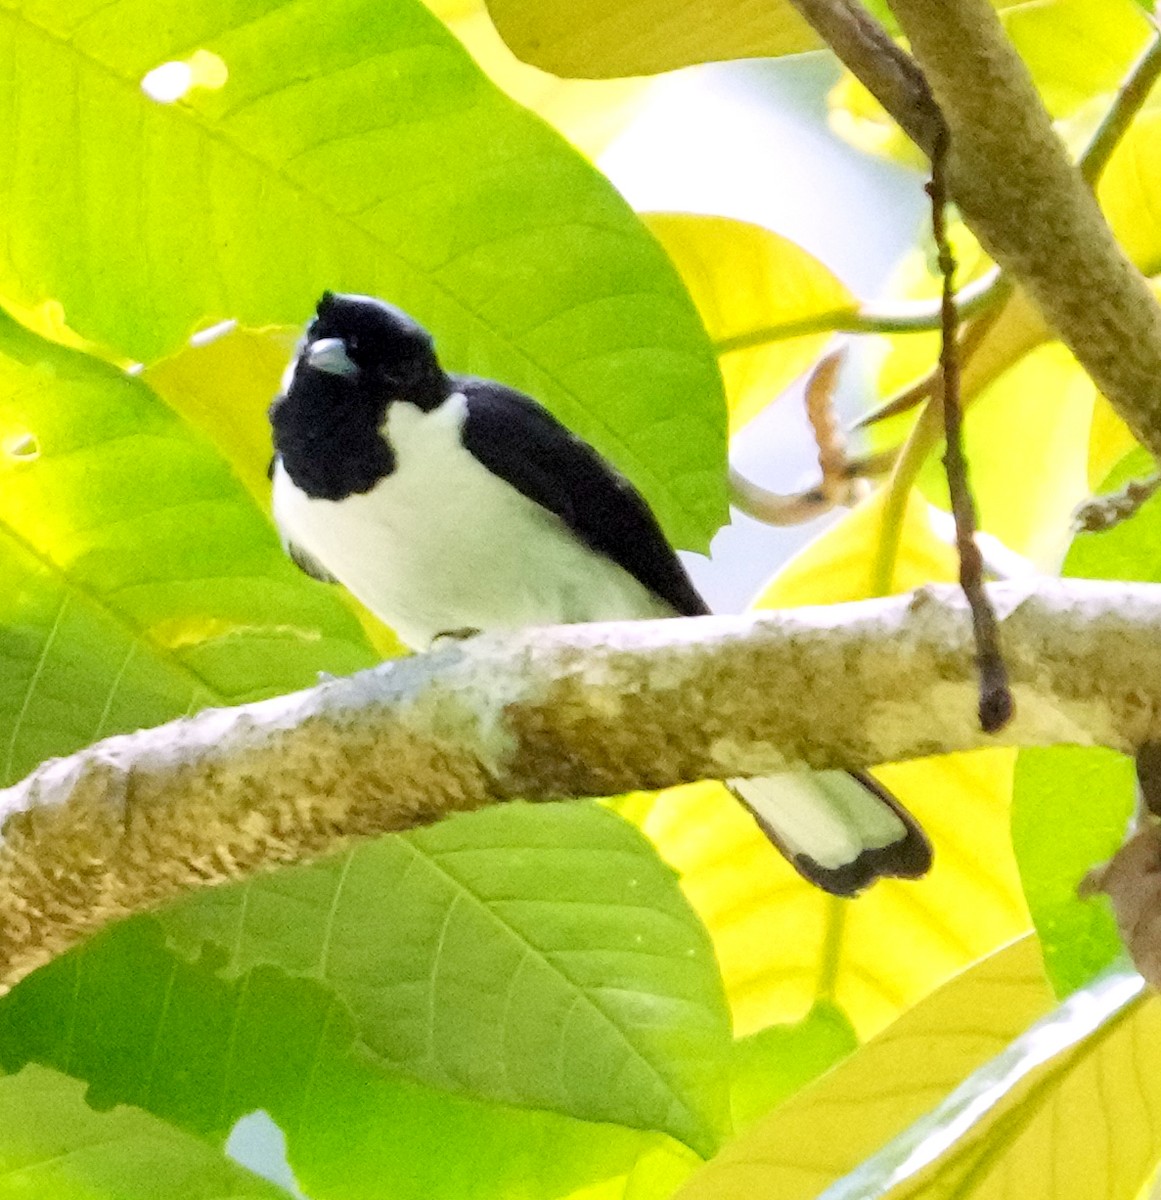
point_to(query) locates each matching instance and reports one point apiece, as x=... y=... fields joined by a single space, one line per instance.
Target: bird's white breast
x=441 y=544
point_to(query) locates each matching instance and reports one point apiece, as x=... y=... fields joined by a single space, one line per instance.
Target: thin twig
x=887 y=71
x=839 y=485
x=828 y=432
x=986 y=296
x=1132 y=93
x=1104 y=512
x=917 y=316
x=996 y=705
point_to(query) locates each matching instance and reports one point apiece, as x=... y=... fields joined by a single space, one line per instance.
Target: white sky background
x=750 y=140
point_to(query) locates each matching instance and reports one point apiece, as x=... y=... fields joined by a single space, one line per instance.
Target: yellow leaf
x=743 y=278
x=782 y=944
x=1076 y=50
x=837 y=565
x=1027 y=439
x=608 y=39
x=1130 y=191
x=826 y=1130
x=861 y=121
x=590 y=113
x=1109 y=441
x=224 y=388
x=1067 y=1112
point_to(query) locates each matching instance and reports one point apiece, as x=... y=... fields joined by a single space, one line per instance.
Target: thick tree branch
x=886 y=71
x=1032 y=210
x=135 y=821
x=1012 y=179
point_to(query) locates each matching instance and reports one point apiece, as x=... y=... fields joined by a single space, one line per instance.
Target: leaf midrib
x=215 y=133
x=694 y=1120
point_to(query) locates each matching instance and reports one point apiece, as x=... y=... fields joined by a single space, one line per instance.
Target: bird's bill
x=330 y=355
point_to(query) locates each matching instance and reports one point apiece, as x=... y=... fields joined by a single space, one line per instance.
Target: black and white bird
x=447 y=503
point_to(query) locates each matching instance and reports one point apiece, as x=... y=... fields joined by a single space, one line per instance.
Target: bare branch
x=840 y=482
x=583 y=710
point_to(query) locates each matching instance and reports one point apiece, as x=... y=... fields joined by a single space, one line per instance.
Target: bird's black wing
x=521 y=442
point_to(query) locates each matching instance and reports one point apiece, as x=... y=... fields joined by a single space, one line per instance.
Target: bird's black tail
x=841 y=830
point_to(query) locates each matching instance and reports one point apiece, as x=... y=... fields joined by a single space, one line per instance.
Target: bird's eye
x=352 y=341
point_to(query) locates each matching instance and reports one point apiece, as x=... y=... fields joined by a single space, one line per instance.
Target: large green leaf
x=1070 y=809
x=1071 y=805
x=53 y=1146
x=147 y=1028
x=537 y=955
x=139 y=579
x=353 y=145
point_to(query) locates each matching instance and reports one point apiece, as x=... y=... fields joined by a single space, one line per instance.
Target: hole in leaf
x=23 y=447
x=173 y=80
x=204 y=337
x=209 y=71
x=168 y=83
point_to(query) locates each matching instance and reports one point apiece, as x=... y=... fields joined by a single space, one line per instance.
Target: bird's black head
x=361 y=337
x=358 y=356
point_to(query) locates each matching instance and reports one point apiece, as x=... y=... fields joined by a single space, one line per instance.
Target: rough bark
x=137 y=820
x=1014 y=183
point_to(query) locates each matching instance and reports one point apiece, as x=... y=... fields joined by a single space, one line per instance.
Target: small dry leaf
x=1132 y=881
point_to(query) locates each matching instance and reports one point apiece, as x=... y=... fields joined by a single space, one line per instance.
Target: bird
x=449 y=504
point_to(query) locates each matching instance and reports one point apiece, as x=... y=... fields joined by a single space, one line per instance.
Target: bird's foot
x=455 y=635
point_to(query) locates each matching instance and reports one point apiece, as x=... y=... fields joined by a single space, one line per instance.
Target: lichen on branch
x=141 y=819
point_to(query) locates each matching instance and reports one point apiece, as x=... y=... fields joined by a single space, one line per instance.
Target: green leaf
x=351 y=144
x=773 y=1064
x=1071 y=805
x=53 y=1146
x=140 y=580
x=1131 y=550
x=1070 y=808
x=365 y=1136
x=145 y=1027
x=536 y=955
